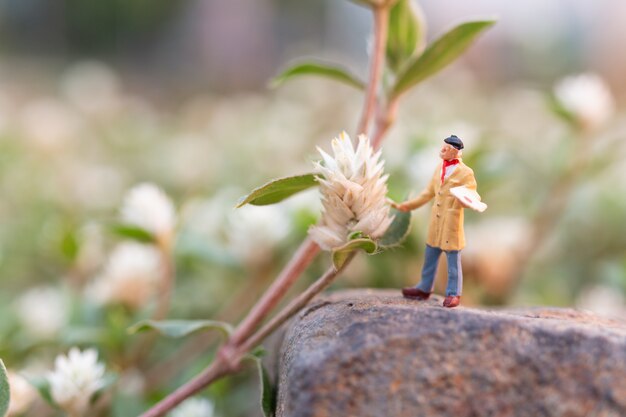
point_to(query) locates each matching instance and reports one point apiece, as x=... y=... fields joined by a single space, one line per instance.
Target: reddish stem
x=381 y=23
x=301 y=259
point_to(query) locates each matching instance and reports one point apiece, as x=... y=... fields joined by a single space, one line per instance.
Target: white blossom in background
x=76 y=377
x=22 y=394
x=194 y=407
x=148 y=207
x=254 y=232
x=353 y=190
x=130 y=276
x=92 y=87
x=603 y=300
x=587 y=98
x=48 y=124
x=492 y=258
x=42 y=311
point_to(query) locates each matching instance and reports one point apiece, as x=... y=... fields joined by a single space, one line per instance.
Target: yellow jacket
x=445 y=230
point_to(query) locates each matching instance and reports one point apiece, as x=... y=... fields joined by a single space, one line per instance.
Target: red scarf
x=445 y=165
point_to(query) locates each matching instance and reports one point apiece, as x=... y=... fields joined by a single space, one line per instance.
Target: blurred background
x=97 y=97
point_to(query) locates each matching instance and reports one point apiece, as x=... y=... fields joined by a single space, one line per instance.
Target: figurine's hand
x=399 y=206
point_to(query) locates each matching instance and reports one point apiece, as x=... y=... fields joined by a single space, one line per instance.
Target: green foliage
x=439 y=54
x=557 y=108
x=5 y=393
x=407 y=33
x=180 y=328
x=69 y=245
x=134 y=233
x=277 y=190
x=320 y=69
x=268 y=393
x=398 y=230
x=42 y=386
x=341 y=254
x=268 y=390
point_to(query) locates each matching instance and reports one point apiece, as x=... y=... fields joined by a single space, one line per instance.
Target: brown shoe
x=452 y=301
x=415 y=294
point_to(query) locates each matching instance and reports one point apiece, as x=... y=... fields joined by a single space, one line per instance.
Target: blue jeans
x=455 y=273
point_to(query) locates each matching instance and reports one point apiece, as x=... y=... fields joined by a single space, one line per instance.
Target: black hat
x=455 y=141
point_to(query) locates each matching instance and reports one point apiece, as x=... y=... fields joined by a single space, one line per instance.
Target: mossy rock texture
x=372 y=353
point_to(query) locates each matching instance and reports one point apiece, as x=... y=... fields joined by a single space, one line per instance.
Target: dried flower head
x=353 y=190
x=130 y=277
x=194 y=407
x=76 y=377
x=587 y=98
x=148 y=207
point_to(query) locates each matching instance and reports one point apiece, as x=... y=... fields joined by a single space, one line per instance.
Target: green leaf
x=355 y=235
x=180 y=328
x=398 y=230
x=406 y=34
x=560 y=111
x=258 y=352
x=5 y=393
x=268 y=394
x=439 y=54
x=42 y=385
x=277 y=190
x=133 y=232
x=341 y=254
x=268 y=390
x=319 y=69
x=70 y=245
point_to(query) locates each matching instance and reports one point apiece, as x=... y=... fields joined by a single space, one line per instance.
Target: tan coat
x=445 y=230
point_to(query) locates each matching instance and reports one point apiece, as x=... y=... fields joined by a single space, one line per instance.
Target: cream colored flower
x=130 y=277
x=42 y=311
x=587 y=98
x=254 y=232
x=148 y=207
x=76 y=377
x=353 y=190
x=22 y=394
x=194 y=407
x=603 y=300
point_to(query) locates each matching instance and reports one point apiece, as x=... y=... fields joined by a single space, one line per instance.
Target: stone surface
x=373 y=353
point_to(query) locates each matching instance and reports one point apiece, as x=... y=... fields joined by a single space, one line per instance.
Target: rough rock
x=372 y=353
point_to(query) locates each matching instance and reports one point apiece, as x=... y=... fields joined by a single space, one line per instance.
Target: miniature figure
x=453 y=187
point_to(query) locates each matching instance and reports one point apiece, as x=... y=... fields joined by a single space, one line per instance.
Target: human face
x=448 y=152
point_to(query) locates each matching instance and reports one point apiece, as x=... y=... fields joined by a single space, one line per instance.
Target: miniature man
x=445 y=230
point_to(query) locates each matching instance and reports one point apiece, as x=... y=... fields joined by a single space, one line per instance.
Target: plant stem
x=293 y=307
x=215 y=371
x=550 y=212
x=381 y=23
x=234 y=310
x=230 y=354
x=301 y=259
x=384 y=121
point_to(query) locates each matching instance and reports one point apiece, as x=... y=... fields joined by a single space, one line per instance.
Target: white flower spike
x=148 y=207
x=76 y=377
x=353 y=190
